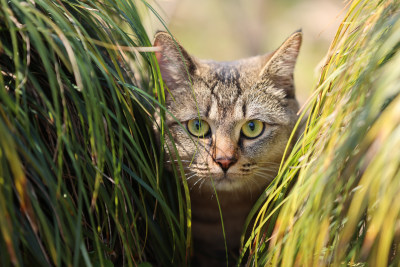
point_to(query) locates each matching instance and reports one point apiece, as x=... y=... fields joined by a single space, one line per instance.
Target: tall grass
x=82 y=179
x=81 y=176
x=336 y=201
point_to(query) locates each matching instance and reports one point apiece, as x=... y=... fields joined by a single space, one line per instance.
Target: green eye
x=252 y=129
x=198 y=128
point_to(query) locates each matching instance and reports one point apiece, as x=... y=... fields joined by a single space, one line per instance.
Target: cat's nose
x=225 y=163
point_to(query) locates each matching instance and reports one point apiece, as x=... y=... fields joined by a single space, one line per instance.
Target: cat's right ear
x=176 y=65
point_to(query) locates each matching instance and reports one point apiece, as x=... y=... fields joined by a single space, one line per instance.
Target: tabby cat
x=237 y=119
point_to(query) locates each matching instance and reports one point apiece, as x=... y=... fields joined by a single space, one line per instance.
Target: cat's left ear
x=280 y=66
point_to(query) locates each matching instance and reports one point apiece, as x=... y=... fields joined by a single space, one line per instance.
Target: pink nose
x=225 y=163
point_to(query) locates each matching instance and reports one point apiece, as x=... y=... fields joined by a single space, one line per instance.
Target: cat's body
x=238 y=118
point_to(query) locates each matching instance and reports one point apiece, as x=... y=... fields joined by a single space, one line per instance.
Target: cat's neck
x=232 y=204
x=209 y=241
x=225 y=196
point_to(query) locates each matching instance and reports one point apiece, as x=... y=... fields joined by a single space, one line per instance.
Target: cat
x=237 y=118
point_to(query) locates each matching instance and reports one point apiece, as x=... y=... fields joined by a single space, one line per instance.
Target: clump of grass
x=336 y=201
x=81 y=176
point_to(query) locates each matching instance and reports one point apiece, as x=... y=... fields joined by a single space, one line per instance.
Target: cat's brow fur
x=226 y=95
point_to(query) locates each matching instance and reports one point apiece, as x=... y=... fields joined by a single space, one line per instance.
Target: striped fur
x=226 y=95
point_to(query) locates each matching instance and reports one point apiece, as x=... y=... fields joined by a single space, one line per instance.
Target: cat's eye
x=252 y=129
x=198 y=128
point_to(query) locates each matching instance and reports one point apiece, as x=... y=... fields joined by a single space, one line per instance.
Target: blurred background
x=226 y=30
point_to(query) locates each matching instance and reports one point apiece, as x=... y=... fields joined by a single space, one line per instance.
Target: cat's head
x=237 y=116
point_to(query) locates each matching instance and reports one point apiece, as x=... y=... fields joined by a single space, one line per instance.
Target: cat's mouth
x=240 y=177
x=219 y=176
x=233 y=180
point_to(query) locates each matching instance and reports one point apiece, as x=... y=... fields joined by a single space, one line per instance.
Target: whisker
x=200 y=168
x=190 y=172
x=269 y=164
x=267 y=169
x=197 y=181
x=175 y=160
x=266 y=172
x=191 y=176
x=201 y=184
x=264 y=175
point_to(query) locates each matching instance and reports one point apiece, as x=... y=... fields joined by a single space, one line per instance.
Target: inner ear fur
x=176 y=65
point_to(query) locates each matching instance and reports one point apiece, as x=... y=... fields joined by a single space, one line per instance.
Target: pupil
x=198 y=125
x=252 y=126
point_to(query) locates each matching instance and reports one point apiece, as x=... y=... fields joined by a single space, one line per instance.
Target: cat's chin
x=228 y=185
x=234 y=183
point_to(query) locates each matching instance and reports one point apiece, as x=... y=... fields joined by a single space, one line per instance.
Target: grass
x=336 y=199
x=81 y=177
x=82 y=181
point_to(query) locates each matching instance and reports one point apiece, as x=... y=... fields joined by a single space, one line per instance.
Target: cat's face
x=237 y=116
